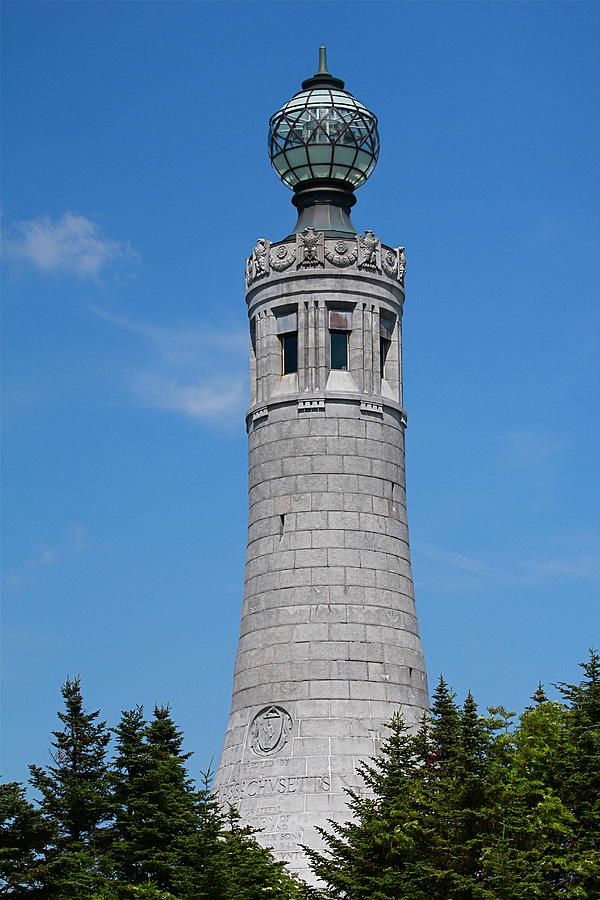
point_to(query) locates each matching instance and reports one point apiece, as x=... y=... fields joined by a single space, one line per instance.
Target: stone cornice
x=313 y=404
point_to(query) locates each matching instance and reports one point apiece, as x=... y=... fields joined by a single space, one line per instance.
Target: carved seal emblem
x=270 y=730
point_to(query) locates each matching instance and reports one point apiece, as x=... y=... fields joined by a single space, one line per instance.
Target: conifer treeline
x=470 y=807
x=134 y=827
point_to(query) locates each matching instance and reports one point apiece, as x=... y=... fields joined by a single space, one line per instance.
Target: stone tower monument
x=329 y=646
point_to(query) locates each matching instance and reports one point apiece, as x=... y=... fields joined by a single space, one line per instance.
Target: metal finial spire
x=323 y=70
x=323 y=77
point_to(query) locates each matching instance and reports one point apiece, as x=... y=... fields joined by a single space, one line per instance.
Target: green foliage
x=75 y=799
x=473 y=807
x=24 y=834
x=468 y=807
x=132 y=829
x=154 y=798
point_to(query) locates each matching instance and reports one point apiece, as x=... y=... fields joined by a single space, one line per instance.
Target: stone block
x=342 y=520
x=342 y=483
x=313 y=668
x=327 y=575
x=328 y=690
x=361 y=650
x=292 y=652
x=299 y=502
x=294 y=577
x=365 y=577
x=296 y=465
x=313 y=709
x=324 y=426
x=310 y=746
x=328 y=501
x=311 y=483
x=324 y=728
x=358 y=502
x=328 y=538
x=352 y=428
x=317 y=765
x=367 y=690
x=347 y=631
x=327 y=464
x=356 y=465
x=308 y=558
x=300 y=540
x=371 y=522
x=341 y=446
x=283 y=559
x=357 y=746
x=329 y=649
x=354 y=708
x=313 y=631
x=311 y=521
x=293 y=615
x=339 y=556
x=311 y=446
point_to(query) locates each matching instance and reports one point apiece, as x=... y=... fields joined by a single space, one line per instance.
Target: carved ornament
x=389 y=263
x=310 y=249
x=369 y=251
x=282 y=258
x=339 y=255
x=270 y=730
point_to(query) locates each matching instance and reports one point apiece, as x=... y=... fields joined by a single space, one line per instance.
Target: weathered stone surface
x=329 y=646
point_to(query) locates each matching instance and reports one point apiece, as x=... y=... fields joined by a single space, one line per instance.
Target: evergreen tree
x=579 y=772
x=154 y=798
x=525 y=855
x=370 y=857
x=222 y=860
x=24 y=835
x=75 y=798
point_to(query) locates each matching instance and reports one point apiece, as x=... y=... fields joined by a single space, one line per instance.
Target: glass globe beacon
x=323 y=132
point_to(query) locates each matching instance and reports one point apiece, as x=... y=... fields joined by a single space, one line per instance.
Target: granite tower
x=329 y=646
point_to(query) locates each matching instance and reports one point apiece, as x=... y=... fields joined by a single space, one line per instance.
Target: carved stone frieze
x=310 y=247
x=282 y=258
x=340 y=254
x=369 y=251
x=313 y=250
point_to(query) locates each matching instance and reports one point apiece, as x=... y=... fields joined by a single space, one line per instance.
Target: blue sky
x=136 y=181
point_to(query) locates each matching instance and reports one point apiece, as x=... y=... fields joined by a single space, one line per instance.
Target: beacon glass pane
x=324 y=122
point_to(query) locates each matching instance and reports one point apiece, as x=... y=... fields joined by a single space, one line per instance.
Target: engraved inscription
x=259 y=787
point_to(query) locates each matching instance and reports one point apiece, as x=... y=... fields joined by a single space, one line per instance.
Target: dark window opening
x=289 y=352
x=339 y=350
x=384 y=349
x=281 y=525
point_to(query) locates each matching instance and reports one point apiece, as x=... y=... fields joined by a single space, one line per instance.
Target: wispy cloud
x=194 y=371
x=70 y=245
x=526 y=572
x=47 y=555
x=467 y=563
